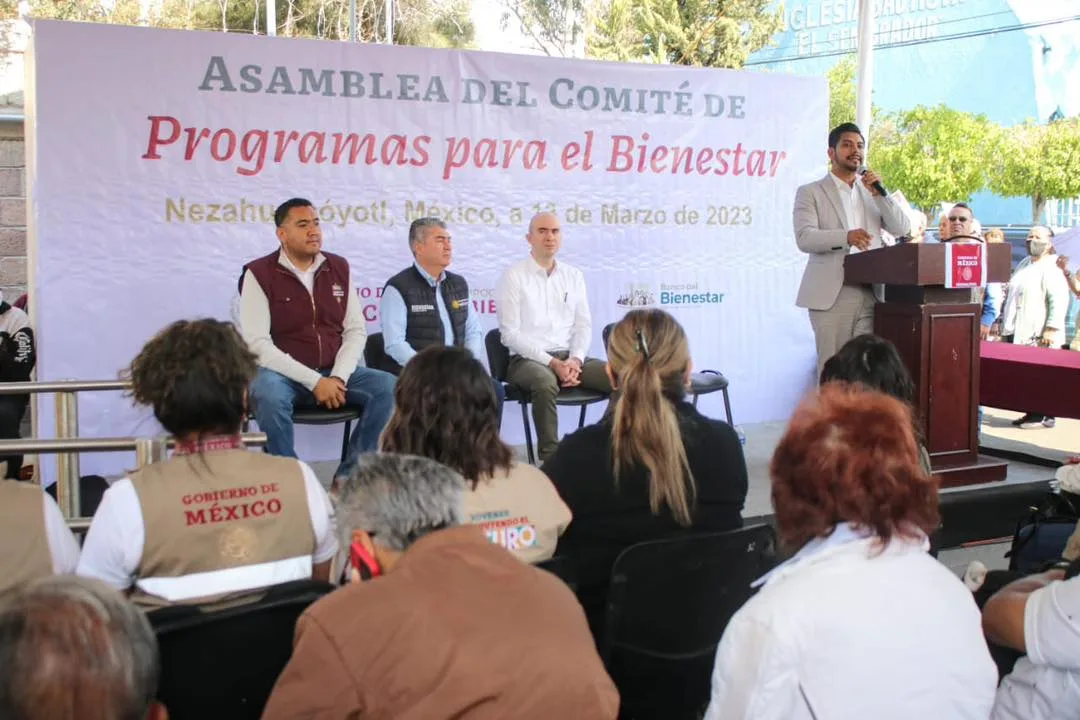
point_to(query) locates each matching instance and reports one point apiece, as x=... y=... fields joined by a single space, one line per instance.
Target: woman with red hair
x=860 y=622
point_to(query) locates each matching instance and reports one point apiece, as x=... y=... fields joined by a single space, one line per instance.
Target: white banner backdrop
x=156 y=158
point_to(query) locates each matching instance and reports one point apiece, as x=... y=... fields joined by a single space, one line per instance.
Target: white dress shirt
x=541 y=313
x=63 y=547
x=255 y=329
x=853 y=632
x=852 y=202
x=1045 y=685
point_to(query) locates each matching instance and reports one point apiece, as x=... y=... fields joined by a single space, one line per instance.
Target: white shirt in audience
x=1045 y=685
x=851 y=633
x=114 y=546
x=540 y=314
x=63 y=547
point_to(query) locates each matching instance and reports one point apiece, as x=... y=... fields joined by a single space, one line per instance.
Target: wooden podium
x=936 y=330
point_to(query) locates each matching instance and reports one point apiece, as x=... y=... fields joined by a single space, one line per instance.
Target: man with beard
x=834 y=216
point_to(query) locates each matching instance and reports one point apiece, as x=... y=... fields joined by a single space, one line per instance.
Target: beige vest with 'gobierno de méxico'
x=219 y=524
x=25 y=551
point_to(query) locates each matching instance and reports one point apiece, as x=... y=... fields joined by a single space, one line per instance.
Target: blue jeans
x=274 y=396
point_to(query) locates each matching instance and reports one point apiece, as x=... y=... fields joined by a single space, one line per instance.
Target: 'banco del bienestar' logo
x=637 y=295
x=688 y=295
x=685 y=295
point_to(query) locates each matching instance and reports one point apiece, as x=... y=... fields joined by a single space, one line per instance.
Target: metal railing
x=67 y=444
x=67 y=427
x=147 y=450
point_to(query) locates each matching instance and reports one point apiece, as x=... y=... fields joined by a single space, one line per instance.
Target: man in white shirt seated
x=1038 y=615
x=300 y=316
x=545 y=322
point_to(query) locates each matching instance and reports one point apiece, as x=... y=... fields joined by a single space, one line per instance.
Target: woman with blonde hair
x=653 y=467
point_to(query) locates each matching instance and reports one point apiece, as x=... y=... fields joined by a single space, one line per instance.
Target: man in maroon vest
x=302 y=319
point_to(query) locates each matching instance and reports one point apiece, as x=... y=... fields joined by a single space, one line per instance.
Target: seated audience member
x=961 y=224
x=75 y=649
x=300 y=316
x=943 y=227
x=861 y=622
x=546 y=324
x=450 y=626
x=653 y=468
x=214 y=521
x=34 y=537
x=994 y=235
x=874 y=363
x=1039 y=616
x=16 y=363
x=425 y=304
x=445 y=410
x=918 y=228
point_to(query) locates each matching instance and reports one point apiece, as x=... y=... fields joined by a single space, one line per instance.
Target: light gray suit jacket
x=821 y=229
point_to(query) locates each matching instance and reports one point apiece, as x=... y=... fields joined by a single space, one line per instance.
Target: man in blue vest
x=426 y=304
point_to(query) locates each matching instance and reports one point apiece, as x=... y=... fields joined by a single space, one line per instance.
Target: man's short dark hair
x=965 y=206
x=283 y=209
x=834 y=135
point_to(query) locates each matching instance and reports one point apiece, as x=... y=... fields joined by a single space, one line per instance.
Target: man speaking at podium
x=843 y=212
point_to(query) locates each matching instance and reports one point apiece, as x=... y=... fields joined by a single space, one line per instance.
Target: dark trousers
x=1004 y=657
x=12 y=409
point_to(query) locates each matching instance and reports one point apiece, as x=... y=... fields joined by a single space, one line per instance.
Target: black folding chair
x=702 y=382
x=499 y=362
x=324 y=416
x=224 y=663
x=668 y=604
x=375 y=356
x=560 y=568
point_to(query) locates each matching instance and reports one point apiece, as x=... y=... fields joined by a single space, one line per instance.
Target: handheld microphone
x=877 y=186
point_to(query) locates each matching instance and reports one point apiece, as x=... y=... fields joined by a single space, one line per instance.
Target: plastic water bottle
x=741 y=434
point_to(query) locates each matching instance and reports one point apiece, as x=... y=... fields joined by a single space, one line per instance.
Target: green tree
x=1038 y=161
x=841 y=78
x=555 y=27
x=705 y=33
x=433 y=23
x=934 y=154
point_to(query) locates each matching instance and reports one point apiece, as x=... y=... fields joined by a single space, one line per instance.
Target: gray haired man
x=73 y=648
x=451 y=626
x=426 y=304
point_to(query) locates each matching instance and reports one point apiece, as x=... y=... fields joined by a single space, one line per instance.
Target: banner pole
x=865 y=77
x=271 y=17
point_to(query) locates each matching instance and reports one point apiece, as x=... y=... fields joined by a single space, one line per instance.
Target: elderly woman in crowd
x=445 y=409
x=214 y=521
x=448 y=626
x=653 y=467
x=75 y=649
x=861 y=622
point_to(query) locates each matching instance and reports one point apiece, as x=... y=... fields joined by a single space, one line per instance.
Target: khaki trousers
x=540 y=382
x=852 y=314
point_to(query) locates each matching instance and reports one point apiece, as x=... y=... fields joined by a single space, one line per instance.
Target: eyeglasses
x=959 y=218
